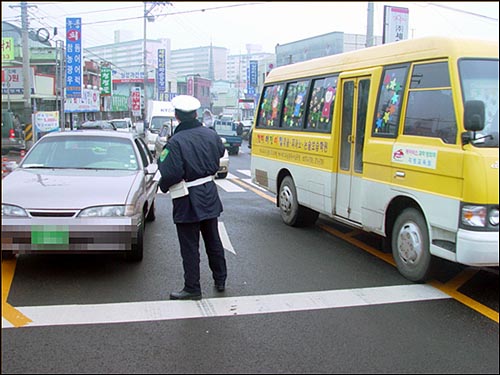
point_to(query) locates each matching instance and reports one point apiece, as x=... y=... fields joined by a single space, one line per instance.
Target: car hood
x=66 y=189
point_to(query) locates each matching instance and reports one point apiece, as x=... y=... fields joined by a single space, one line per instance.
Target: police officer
x=188 y=164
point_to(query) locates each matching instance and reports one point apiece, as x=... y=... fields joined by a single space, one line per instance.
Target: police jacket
x=193 y=152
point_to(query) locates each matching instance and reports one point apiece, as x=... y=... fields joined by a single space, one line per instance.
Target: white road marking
x=226 y=242
x=226 y=306
x=229 y=186
x=246 y=172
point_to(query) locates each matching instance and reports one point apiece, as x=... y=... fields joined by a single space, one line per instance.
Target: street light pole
x=148 y=18
x=145 y=79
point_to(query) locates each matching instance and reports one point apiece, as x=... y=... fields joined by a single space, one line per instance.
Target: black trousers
x=189 y=239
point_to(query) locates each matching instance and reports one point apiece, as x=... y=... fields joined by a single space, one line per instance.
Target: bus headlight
x=494 y=217
x=474 y=216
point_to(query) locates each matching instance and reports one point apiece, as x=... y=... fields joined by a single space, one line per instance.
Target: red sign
x=73 y=35
x=136 y=101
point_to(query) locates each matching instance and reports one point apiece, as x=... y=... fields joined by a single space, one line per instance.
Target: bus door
x=353 y=108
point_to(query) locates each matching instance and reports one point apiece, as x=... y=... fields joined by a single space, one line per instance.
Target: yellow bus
x=400 y=140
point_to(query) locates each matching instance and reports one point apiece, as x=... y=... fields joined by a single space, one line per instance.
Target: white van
x=159 y=114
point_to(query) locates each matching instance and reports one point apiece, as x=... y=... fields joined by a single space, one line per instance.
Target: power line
x=464 y=11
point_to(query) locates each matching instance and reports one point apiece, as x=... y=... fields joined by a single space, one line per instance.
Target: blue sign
x=73 y=57
x=161 y=72
x=254 y=71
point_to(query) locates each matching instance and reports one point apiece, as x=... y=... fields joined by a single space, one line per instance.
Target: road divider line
x=226 y=306
x=9 y=313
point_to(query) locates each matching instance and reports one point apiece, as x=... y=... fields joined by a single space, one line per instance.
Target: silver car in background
x=79 y=191
x=162 y=138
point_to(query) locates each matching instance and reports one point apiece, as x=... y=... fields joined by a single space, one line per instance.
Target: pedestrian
x=188 y=164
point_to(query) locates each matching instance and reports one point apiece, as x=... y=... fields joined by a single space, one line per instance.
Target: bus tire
x=292 y=213
x=410 y=246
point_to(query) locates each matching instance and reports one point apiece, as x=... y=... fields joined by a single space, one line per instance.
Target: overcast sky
x=234 y=24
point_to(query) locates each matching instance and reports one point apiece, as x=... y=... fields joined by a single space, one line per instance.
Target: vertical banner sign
x=253 y=77
x=190 y=86
x=73 y=57
x=7 y=49
x=395 y=24
x=105 y=81
x=136 y=101
x=161 y=72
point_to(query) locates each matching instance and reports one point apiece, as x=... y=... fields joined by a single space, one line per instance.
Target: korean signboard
x=46 y=122
x=12 y=80
x=395 y=24
x=88 y=102
x=73 y=57
x=161 y=72
x=136 y=101
x=105 y=81
x=7 y=49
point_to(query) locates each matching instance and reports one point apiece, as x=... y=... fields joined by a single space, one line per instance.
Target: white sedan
x=80 y=192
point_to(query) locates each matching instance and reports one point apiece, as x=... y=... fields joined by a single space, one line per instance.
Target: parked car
x=80 y=192
x=158 y=125
x=162 y=138
x=97 y=125
x=123 y=124
x=12 y=133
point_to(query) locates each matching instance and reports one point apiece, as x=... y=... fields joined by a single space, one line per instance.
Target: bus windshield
x=479 y=80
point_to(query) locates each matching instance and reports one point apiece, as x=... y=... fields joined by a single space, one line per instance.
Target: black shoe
x=184 y=295
x=220 y=287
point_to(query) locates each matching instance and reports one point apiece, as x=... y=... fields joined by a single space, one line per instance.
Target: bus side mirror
x=474 y=115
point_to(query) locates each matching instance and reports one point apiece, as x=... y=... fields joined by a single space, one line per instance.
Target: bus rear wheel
x=292 y=213
x=410 y=246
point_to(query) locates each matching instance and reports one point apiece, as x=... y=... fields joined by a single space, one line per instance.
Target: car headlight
x=10 y=210
x=107 y=211
x=474 y=216
x=493 y=217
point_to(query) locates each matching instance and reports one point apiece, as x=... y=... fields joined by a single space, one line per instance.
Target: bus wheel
x=292 y=212
x=410 y=245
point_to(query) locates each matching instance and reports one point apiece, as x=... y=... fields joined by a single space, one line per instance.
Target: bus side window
x=319 y=115
x=294 y=108
x=389 y=102
x=270 y=106
x=430 y=111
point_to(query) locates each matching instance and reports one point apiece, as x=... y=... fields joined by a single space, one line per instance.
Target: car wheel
x=136 y=253
x=410 y=246
x=151 y=213
x=292 y=212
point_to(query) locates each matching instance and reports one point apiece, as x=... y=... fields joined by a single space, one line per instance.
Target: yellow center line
x=15 y=317
x=256 y=191
x=449 y=288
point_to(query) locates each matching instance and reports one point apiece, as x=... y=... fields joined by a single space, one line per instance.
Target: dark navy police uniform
x=192 y=154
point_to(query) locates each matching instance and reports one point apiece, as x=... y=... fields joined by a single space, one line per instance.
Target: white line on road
x=226 y=242
x=225 y=306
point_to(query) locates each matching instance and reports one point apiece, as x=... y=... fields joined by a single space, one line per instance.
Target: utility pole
x=148 y=18
x=27 y=84
x=369 y=25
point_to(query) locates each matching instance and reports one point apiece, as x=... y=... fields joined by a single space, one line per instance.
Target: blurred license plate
x=49 y=235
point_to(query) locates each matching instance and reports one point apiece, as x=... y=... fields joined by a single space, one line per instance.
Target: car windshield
x=97 y=125
x=479 y=80
x=158 y=122
x=82 y=153
x=120 y=124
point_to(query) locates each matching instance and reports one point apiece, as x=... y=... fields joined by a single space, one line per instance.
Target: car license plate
x=49 y=235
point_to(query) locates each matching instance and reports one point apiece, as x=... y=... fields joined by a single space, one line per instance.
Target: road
x=310 y=300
